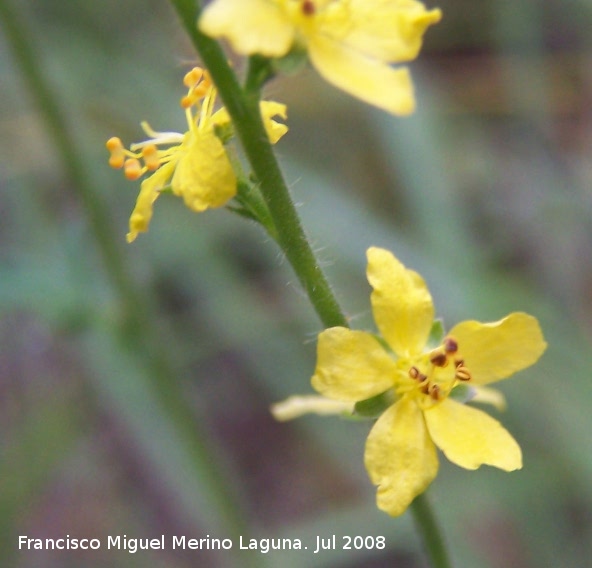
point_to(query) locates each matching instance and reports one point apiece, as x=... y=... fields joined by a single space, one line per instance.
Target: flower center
x=442 y=369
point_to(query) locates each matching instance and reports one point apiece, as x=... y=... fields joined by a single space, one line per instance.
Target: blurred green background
x=135 y=380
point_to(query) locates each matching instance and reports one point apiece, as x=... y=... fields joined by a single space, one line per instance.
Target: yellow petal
x=366 y=78
x=470 y=438
x=204 y=176
x=149 y=192
x=493 y=351
x=401 y=303
x=220 y=117
x=275 y=130
x=251 y=26
x=390 y=30
x=400 y=457
x=269 y=109
x=296 y=406
x=351 y=365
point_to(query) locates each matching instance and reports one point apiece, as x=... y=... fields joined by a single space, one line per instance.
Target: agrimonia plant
x=412 y=377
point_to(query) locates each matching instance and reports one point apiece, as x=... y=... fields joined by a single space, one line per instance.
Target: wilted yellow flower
x=194 y=165
x=400 y=453
x=351 y=43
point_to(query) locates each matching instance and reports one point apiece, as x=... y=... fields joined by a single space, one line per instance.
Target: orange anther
x=201 y=90
x=188 y=100
x=116 y=161
x=117 y=157
x=114 y=144
x=150 y=155
x=132 y=169
x=193 y=77
x=207 y=79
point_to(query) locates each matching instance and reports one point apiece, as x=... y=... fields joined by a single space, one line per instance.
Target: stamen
x=151 y=159
x=450 y=345
x=434 y=392
x=199 y=83
x=207 y=107
x=132 y=169
x=415 y=374
x=207 y=79
x=188 y=100
x=193 y=77
x=202 y=89
x=439 y=359
x=117 y=158
x=308 y=8
x=159 y=137
x=462 y=373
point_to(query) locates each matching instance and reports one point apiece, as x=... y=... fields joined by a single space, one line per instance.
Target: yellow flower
x=351 y=43
x=400 y=453
x=195 y=164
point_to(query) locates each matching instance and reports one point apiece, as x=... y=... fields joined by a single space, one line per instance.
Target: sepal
x=373 y=407
x=291 y=63
x=463 y=393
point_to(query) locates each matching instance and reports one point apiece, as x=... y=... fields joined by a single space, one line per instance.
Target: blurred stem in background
x=243 y=107
x=137 y=333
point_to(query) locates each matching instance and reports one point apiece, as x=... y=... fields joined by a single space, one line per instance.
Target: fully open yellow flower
x=351 y=43
x=352 y=366
x=195 y=164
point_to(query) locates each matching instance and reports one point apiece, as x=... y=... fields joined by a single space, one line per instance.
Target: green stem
x=138 y=334
x=258 y=73
x=430 y=531
x=253 y=205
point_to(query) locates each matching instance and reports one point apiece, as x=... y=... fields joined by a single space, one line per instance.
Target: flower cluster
x=422 y=380
x=351 y=43
x=193 y=165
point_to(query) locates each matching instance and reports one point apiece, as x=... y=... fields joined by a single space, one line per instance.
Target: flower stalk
x=427 y=526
